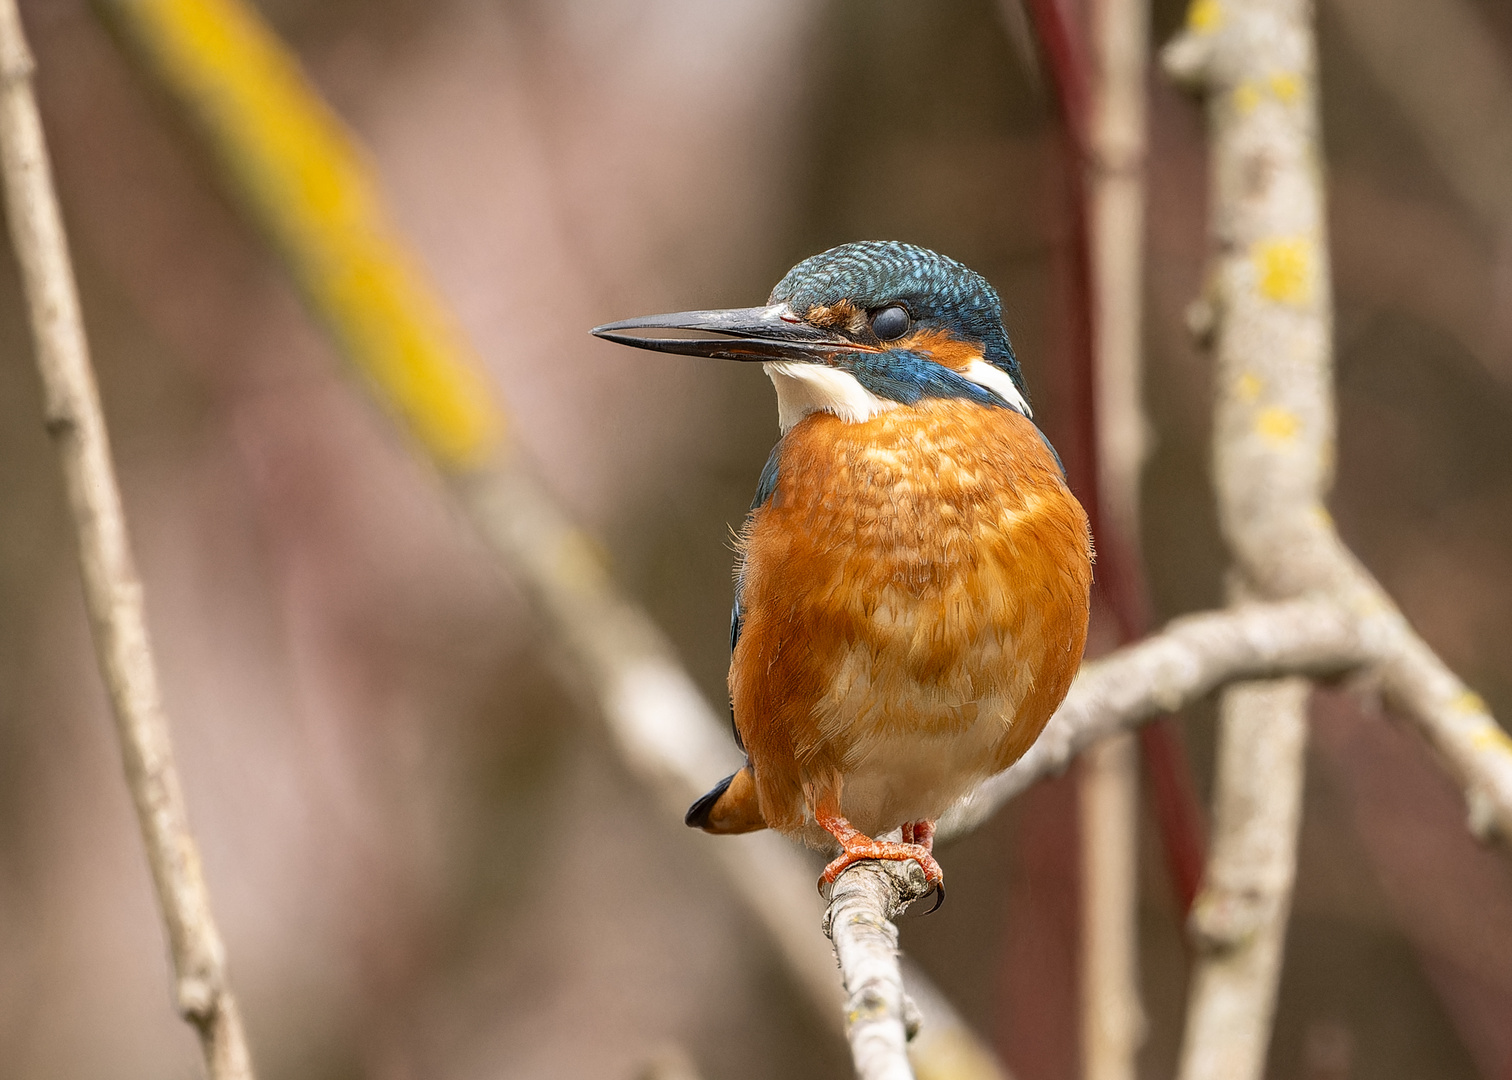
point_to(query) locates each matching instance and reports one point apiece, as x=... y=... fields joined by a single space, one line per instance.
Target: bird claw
x=884 y=850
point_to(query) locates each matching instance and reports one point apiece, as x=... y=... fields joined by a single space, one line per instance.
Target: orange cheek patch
x=942 y=347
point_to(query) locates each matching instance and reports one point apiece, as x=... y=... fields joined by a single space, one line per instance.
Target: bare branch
x=1270 y=301
x=112 y=591
x=1273 y=431
x=1274 y=426
x=879 y=1017
x=1191 y=658
x=1112 y=1017
x=1239 y=921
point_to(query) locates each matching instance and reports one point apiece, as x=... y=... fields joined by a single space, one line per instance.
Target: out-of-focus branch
x=879 y=1017
x=1239 y=921
x=1189 y=659
x=1112 y=1018
x=300 y=178
x=112 y=591
x=1120 y=39
x=310 y=190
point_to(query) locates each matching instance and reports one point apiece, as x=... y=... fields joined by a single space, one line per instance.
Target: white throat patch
x=999 y=382
x=804 y=388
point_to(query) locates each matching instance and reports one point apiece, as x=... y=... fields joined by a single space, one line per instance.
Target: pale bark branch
x=1269 y=311
x=1188 y=660
x=112 y=591
x=879 y=1017
x=1274 y=426
x=1112 y=1018
x=1255 y=60
x=1239 y=922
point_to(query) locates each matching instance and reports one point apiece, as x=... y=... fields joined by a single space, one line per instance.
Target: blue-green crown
x=938 y=292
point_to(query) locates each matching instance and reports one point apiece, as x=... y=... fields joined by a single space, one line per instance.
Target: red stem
x=1121 y=579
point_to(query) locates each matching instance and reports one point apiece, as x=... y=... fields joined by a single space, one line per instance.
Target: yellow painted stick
x=308 y=187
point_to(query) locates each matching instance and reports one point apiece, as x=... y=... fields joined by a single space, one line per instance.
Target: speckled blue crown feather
x=936 y=290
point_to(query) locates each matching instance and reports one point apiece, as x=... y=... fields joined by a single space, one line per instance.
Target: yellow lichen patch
x=580 y=562
x=299 y=175
x=1491 y=737
x=1286 y=86
x=1278 y=425
x=1249 y=386
x=1468 y=701
x=1284 y=266
x=1246 y=97
x=1204 y=16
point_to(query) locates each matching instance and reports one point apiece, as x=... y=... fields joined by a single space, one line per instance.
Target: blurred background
x=410 y=829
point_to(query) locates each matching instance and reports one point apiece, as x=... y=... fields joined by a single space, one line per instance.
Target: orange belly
x=915 y=596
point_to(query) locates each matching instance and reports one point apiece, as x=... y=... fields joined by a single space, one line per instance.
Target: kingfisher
x=913 y=577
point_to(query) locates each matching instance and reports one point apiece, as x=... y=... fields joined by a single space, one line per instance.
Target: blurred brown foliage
x=403 y=812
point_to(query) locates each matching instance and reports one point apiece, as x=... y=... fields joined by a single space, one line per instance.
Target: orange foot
x=856 y=846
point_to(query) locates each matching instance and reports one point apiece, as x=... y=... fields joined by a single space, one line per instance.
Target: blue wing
x=764 y=488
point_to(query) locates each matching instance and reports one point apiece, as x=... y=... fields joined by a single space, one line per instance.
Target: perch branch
x=112 y=592
x=879 y=1016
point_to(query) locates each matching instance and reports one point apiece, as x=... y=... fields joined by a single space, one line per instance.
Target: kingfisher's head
x=858 y=330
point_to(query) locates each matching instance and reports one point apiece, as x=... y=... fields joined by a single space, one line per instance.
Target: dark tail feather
x=730 y=808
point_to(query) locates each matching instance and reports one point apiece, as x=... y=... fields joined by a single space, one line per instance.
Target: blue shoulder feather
x=764 y=488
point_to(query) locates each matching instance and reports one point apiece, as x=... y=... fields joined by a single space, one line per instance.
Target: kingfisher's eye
x=890 y=322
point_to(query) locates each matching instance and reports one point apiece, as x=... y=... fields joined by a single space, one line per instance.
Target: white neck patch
x=999 y=382
x=804 y=388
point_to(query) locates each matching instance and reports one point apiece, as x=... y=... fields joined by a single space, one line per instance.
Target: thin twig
x=112 y=592
x=1112 y=1017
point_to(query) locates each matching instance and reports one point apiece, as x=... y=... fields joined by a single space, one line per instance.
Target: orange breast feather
x=915 y=596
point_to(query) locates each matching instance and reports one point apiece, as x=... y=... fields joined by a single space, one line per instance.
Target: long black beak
x=757 y=334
